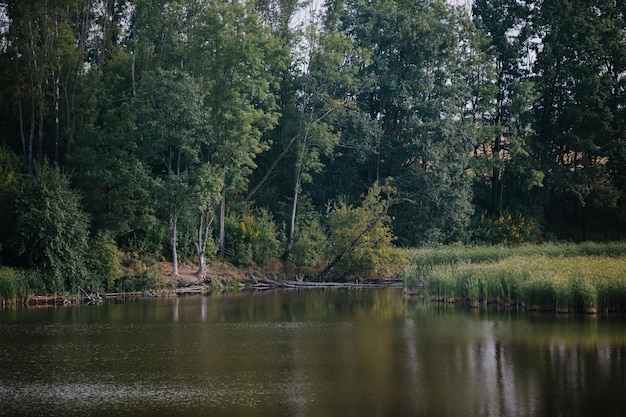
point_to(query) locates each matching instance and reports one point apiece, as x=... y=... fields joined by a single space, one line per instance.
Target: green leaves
x=361 y=242
x=52 y=230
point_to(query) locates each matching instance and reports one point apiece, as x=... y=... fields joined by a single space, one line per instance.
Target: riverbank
x=246 y=285
x=562 y=278
x=221 y=277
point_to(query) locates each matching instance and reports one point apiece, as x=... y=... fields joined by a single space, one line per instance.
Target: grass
x=14 y=284
x=588 y=277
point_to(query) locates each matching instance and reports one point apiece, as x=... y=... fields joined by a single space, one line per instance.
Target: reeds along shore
x=588 y=278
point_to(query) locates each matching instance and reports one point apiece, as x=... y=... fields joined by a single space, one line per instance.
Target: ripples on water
x=370 y=353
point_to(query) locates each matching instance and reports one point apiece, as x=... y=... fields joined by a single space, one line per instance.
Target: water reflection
x=308 y=353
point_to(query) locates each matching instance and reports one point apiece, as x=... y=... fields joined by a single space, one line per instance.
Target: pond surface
x=308 y=353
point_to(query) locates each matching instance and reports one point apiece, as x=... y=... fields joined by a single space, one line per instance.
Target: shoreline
x=250 y=284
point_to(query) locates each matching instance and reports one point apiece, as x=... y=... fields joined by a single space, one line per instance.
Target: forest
x=318 y=139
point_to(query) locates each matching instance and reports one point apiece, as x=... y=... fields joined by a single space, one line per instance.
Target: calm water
x=308 y=353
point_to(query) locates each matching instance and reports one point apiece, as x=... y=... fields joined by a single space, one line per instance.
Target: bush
x=251 y=237
x=147 y=280
x=361 y=239
x=305 y=252
x=104 y=261
x=52 y=229
x=509 y=228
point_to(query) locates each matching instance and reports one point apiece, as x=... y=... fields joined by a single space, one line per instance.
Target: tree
x=503 y=97
x=233 y=50
x=52 y=229
x=326 y=85
x=578 y=114
x=419 y=93
x=108 y=168
x=170 y=130
x=361 y=242
x=208 y=195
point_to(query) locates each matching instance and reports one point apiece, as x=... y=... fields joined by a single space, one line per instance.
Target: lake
x=308 y=353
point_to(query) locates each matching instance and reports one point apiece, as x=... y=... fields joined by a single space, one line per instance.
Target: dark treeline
x=269 y=133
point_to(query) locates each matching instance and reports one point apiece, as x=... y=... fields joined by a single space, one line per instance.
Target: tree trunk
x=57 y=128
x=200 y=246
x=202 y=261
x=496 y=178
x=271 y=168
x=222 y=224
x=21 y=115
x=40 y=129
x=294 y=208
x=132 y=75
x=203 y=235
x=173 y=240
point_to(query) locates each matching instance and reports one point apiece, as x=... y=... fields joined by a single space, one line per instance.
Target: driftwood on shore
x=266 y=283
x=254 y=283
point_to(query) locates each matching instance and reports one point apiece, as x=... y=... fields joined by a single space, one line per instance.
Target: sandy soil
x=188 y=273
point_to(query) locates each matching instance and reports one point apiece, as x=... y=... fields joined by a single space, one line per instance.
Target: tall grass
x=14 y=284
x=588 y=277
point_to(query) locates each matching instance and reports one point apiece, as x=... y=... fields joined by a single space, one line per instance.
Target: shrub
x=510 y=228
x=361 y=240
x=251 y=237
x=52 y=229
x=104 y=261
x=305 y=252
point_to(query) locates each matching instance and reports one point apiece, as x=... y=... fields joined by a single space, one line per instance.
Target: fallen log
x=266 y=283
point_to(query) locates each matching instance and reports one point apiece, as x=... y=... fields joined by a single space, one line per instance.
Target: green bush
x=139 y=281
x=104 y=261
x=251 y=237
x=360 y=237
x=510 y=228
x=305 y=252
x=14 y=284
x=52 y=229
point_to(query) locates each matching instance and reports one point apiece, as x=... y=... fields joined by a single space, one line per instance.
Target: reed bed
x=14 y=285
x=554 y=277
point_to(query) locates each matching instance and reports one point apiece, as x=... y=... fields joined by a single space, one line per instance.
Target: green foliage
x=362 y=237
x=416 y=87
x=310 y=238
x=252 y=238
x=14 y=284
x=165 y=114
x=52 y=229
x=117 y=185
x=510 y=228
x=9 y=173
x=149 y=279
x=104 y=261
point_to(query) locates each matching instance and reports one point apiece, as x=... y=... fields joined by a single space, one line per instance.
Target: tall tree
x=234 y=52
x=503 y=98
x=419 y=94
x=171 y=129
x=326 y=86
x=108 y=167
x=580 y=71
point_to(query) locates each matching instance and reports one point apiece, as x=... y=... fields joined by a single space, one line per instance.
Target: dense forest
x=320 y=138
